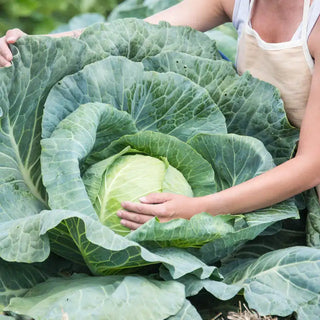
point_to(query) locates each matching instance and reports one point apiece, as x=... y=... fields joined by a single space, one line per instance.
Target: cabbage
x=155 y=99
x=129 y=177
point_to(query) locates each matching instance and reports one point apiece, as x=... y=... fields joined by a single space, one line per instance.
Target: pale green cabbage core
x=131 y=177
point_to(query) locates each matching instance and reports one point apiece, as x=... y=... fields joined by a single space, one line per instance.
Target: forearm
x=201 y=14
x=276 y=185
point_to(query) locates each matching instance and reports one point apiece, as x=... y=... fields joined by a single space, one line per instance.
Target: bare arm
x=201 y=14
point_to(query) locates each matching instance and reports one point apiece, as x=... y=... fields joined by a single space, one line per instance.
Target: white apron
x=272 y=62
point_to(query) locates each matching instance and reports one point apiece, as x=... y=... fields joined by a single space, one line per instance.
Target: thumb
x=154 y=198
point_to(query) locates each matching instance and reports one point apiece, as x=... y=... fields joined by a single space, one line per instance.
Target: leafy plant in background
x=139 y=8
x=131 y=90
x=41 y=17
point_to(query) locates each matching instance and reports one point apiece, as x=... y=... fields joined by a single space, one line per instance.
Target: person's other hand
x=165 y=206
x=11 y=36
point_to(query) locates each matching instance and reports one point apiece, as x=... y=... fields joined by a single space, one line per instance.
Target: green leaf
x=284 y=238
x=236 y=159
x=267 y=123
x=279 y=283
x=24 y=88
x=196 y=170
x=251 y=107
x=187 y=312
x=17 y=278
x=95 y=245
x=113 y=297
x=136 y=39
x=167 y=103
x=196 y=232
x=71 y=142
x=313 y=219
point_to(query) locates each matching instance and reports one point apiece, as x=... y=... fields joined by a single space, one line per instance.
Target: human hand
x=11 y=36
x=165 y=206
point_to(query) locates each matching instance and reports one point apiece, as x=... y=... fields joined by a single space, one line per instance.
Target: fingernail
x=125 y=204
x=119 y=213
x=8 y=64
x=10 y=39
x=143 y=199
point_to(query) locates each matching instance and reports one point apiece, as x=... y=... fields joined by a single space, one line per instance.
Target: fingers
x=156 y=198
x=132 y=220
x=5 y=54
x=130 y=224
x=143 y=208
x=4 y=62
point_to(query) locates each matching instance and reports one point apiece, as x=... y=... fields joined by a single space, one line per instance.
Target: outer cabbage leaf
x=252 y=250
x=188 y=312
x=251 y=107
x=113 y=297
x=23 y=90
x=136 y=40
x=288 y=278
x=17 y=278
x=196 y=232
x=168 y=103
x=236 y=159
x=70 y=144
x=313 y=219
x=279 y=283
x=84 y=240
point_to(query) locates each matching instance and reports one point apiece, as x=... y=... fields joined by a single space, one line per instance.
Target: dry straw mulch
x=246 y=314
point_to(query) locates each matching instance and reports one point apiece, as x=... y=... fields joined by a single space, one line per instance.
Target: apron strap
x=304 y=25
x=251 y=5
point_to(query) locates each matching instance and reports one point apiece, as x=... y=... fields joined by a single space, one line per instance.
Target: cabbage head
x=129 y=177
x=125 y=110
